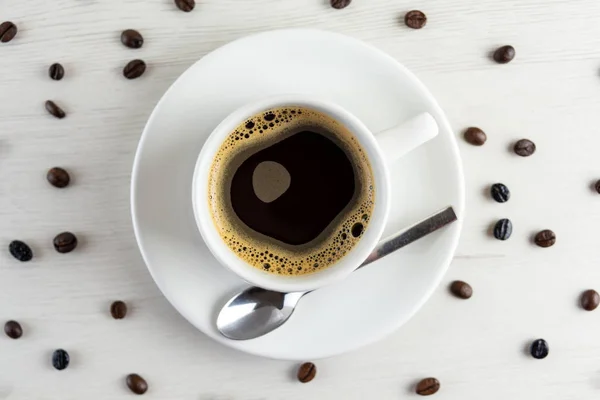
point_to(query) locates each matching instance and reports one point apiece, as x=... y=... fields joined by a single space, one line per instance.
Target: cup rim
x=253 y=275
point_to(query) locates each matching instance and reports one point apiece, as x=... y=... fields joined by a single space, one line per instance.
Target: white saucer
x=372 y=302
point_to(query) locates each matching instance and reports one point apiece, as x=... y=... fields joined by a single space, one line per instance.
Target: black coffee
x=291 y=191
x=317 y=166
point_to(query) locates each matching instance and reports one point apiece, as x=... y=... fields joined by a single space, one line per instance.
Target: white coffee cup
x=382 y=149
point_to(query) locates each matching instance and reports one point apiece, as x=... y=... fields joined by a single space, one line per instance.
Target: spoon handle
x=411 y=234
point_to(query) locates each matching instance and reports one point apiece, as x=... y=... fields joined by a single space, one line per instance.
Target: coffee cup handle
x=402 y=139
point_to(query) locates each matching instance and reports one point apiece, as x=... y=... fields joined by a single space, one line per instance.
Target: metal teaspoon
x=255 y=311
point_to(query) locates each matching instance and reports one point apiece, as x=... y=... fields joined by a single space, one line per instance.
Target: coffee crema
x=326 y=205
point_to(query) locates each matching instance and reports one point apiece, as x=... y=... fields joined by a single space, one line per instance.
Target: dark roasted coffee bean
x=524 y=147
x=60 y=359
x=65 y=242
x=55 y=110
x=461 y=289
x=504 y=54
x=503 y=229
x=134 y=69
x=136 y=384
x=475 y=136
x=597 y=186
x=185 y=5
x=132 y=39
x=20 y=250
x=415 y=19
x=118 y=309
x=539 y=349
x=500 y=192
x=8 y=31
x=58 y=177
x=339 y=4
x=307 y=372
x=428 y=386
x=590 y=299
x=545 y=238
x=13 y=329
x=56 y=71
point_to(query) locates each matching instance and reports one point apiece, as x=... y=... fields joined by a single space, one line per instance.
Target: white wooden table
x=477 y=348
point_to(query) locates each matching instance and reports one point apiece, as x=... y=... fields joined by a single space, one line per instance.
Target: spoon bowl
x=256 y=312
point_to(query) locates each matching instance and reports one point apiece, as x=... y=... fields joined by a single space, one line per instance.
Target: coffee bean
x=8 y=31
x=118 y=309
x=13 y=329
x=60 y=359
x=307 y=372
x=55 y=110
x=56 y=72
x=339 y=4
x=500 y=192
x=461 y=289
x=597 y=186
x=132 y=39
x=185 y=5
x=415 y=19
x=503 y=229
x=65 y=242
x=58 y=177
x=545 y=238
x=136 y=384
x=504 y=54
x=20 y=250
x=428 y=386
x=590 y=299
x=134 y=69
x=539 y=349
x=475 y=136
x=524 y=147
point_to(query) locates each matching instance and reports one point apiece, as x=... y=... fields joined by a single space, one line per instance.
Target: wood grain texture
x=550 y=93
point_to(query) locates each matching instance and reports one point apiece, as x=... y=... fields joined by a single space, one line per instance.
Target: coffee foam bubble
x=341 y=235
